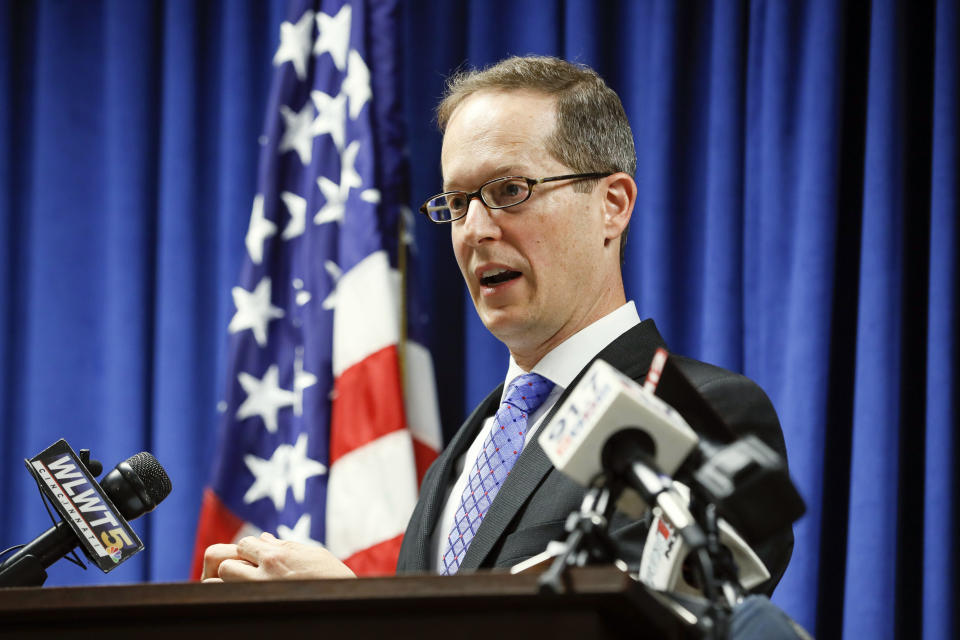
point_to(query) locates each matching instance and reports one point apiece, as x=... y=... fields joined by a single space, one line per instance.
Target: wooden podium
x=600 y=602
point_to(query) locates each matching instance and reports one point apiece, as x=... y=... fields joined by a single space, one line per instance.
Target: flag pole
x=402 y=268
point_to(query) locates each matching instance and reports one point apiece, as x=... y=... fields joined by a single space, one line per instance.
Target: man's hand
x=266 y=558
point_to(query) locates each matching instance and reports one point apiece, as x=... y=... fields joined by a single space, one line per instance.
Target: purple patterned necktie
x=501 y=448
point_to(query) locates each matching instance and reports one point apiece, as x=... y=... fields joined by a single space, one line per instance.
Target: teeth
x=492 y=272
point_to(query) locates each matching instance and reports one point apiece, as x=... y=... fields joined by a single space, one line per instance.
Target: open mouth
x=498 y=276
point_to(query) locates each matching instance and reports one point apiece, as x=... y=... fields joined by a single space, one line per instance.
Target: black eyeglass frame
x=531 y=183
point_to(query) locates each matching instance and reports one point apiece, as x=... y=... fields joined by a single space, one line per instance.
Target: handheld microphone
x=94 y=515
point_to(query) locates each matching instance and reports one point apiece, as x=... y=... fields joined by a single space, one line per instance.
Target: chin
x=504 y=324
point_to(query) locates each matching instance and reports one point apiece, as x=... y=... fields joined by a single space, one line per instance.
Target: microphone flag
x=102 y=531
x=330 y=415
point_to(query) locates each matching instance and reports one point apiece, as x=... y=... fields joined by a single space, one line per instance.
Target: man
x=538 y=163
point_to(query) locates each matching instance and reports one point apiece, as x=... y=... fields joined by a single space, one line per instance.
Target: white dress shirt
x=560 y=366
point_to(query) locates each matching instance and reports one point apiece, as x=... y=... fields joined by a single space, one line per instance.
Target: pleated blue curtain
x=796 y=221
x=940 y=450
x=128 y=148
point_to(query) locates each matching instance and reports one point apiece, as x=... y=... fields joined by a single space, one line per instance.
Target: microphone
x=665 y=566
x=668 y=383
x=610 y=428
x=604 y=403
x=137 y=485
x=94 y=515
x=610 y=423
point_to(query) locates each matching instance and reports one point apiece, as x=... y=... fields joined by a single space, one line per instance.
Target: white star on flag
x=336 y=194
x=334 y=271
x=288 y=468
x=297 y=208
x=298 y=132
x=265 y=397
x=334 y=35
x=254 y=310
x=299 y=533
x=259 y=230
x=302 y=379
x=331 y=115
x=295 y=44
x=349 y=178
x=357 y=84
x=333 y=209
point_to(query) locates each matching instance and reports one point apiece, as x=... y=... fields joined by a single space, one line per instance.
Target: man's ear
x=618 y=201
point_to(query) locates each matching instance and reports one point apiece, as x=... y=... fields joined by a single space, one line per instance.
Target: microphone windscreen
x=155 y=479
x=679 y=392
x=137 y=485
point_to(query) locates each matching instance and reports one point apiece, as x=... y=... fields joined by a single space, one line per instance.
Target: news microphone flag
x=330 y=415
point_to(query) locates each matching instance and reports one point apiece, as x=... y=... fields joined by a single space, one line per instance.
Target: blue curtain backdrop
x=797 y=221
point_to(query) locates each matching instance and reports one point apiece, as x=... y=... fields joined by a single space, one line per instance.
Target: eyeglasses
x=498 y=193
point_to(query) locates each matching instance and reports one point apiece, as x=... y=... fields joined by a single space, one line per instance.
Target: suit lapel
x=435 y=484
x=631 y=353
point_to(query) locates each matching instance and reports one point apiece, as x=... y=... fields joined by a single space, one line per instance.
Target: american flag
x=330 y=416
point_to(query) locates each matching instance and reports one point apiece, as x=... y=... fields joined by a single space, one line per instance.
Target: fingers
x=214 y=556
x=267 y=558
x=275 y=559
x=238 y=570
x=232 y=562
x=253 y=549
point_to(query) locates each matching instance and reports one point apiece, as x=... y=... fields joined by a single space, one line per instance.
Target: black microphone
x=135 y=487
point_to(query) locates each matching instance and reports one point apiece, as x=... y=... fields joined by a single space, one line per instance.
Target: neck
x=528 y=355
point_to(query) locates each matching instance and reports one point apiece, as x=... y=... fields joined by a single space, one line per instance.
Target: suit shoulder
x=703 y=373
x=711 y=380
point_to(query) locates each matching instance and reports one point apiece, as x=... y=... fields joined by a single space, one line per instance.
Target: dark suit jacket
x=534 y=501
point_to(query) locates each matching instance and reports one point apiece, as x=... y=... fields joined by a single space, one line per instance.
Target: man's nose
x=479 y=224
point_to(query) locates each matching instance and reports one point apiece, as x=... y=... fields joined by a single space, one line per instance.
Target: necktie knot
x=528 y=391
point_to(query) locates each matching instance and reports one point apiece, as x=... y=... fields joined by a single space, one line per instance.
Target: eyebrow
x=499 y=172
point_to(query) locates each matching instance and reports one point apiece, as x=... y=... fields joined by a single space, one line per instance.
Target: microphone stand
x=28 y=567
x=588 y=539
x=657 y=489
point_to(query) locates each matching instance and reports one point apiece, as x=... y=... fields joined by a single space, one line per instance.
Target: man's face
x=536 y=271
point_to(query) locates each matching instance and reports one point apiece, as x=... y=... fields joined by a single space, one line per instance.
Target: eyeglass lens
x=499 y=193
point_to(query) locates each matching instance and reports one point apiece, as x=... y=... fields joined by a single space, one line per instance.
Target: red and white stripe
x=385 y=430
